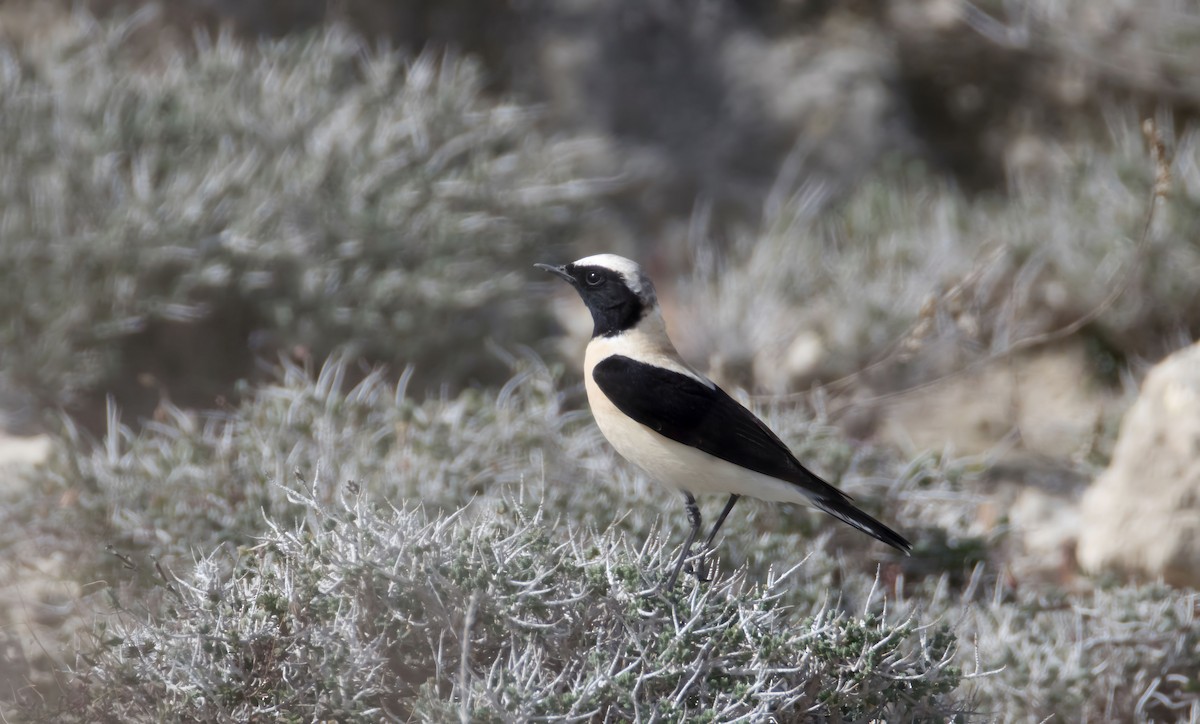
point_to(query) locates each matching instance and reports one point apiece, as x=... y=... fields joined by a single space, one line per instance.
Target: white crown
x=629 y=270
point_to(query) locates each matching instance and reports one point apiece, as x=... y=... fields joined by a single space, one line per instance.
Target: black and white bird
x=675 y=423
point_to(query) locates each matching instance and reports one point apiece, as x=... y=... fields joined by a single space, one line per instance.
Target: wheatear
x=675 y=423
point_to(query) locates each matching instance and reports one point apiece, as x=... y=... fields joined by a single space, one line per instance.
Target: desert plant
x=199 y=480
x=346 y=536
x=366 y=614
x=174 y=216
x=909 y=268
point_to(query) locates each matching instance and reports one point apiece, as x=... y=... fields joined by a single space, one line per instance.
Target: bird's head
x=614 y=289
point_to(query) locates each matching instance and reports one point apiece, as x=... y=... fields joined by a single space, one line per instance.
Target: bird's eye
x=594 y=278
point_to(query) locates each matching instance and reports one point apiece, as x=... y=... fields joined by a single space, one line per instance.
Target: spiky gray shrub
x=1114 y=654
x=194 y=481
x=912 y=267
x=257 y=549
x=357 y=615
x=305 y=193
x=142 y=503
x=1148 y=48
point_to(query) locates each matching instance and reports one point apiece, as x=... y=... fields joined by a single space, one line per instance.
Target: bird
x=677 y=425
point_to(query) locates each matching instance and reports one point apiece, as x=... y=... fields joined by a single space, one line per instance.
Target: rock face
x=1141 y=517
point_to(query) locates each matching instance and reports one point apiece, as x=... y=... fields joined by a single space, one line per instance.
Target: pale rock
x=17 y=452
x=24 y=450
x=805 y=355
x=1141 y=517
x=1046 y=399
x=1046 y=527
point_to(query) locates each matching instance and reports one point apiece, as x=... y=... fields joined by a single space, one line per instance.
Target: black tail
x=841 y=508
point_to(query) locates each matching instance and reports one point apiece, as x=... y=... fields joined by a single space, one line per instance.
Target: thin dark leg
x=694 y=519
x=721 y=520
x=700 y=572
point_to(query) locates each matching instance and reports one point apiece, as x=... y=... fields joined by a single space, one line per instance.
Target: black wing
x=688 y=411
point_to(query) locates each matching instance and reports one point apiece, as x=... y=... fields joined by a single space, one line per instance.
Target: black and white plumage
x=675 y=423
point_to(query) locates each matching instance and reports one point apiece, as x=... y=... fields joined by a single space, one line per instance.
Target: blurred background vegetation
x=265 y=274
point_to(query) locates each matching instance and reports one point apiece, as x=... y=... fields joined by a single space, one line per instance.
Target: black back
x=690 y=412
x=706 y=418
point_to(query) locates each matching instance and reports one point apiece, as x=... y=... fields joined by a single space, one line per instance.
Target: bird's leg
x=704 y=550
x=694 y=519
x=721 y=520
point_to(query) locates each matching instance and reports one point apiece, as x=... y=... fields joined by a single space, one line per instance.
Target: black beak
x=558 y=271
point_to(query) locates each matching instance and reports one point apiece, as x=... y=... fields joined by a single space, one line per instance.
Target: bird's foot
x=701 y=570
x=667 y=583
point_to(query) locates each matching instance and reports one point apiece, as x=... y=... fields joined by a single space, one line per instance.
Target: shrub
x=141 y=503
x=355 y=615
x=1119 y=654
x=194 y=481
x=910 y=267
x=319 y=553
x=307 y=193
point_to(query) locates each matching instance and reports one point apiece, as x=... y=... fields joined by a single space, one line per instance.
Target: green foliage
x=306 y=193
